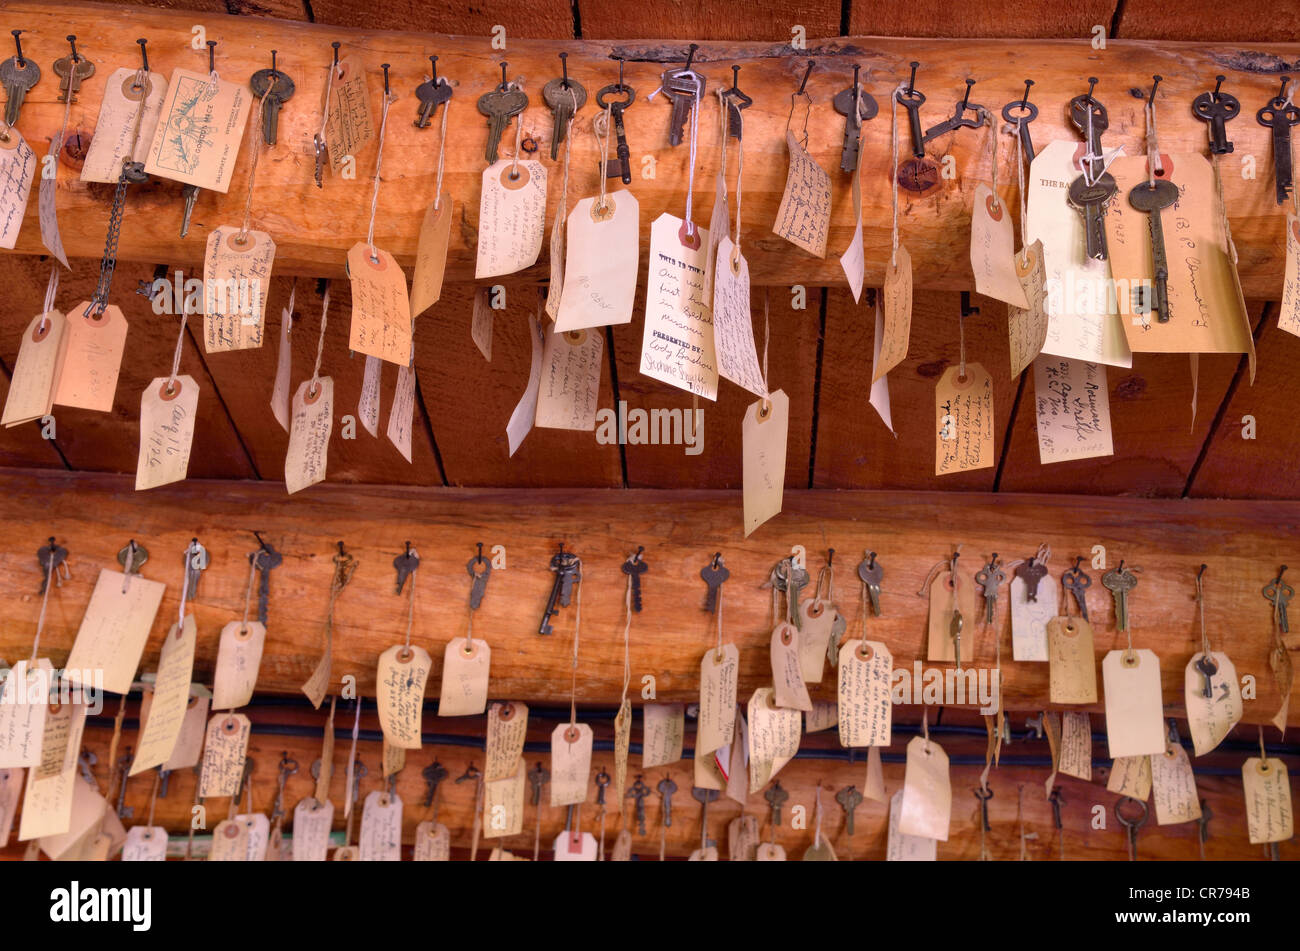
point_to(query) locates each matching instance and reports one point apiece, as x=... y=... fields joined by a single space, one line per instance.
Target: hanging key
x=1120 y=582
x=164 y=780
x=1278 y=593
x=853 y=119
x=565 y=566
x=796 y=580
x=838 y=626
x=431 y=93
x=1020 y=114
x=1203 y=826
x=132 y=559
x=51 y=557
x=196 y=561
x=776 y=797
x=602 y=780
x=634 y=568
x=1161 y=193
x=1031 y=572
x=734 y=101
x=954 y=631
x=1277 y=115
x=1207 y=668
x=321 y=151
x=124 y=766
x=912 y=99
x=72 y=71
x=704 y=797
x=1091 y=201
x=684 y=90
x=1057 y=800
x=537 y=778
x=638 y=792
x=565 y=96
x=714 y=574
x=849 y=799
x=871 y=572
x=86 y=763
x=1218 y=109
x=666 y=788
x=405 y=564
x=568 y=571
x=1131 y=823
x=620 y=167
x=433 y=775
x=280 y=88
x=1076 y=582
x=984 y=794
x=479 y=569
x=1091 y=119
x=959 y=119
x=18 y=74
x=989 y=578
x=288 y=767
x=500 y=105
x=266 y=559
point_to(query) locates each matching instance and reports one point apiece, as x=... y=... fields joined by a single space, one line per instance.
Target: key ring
x=1135 y=823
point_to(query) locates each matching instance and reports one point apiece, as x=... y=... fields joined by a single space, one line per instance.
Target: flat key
x=164 y=780
x=17 y=80
x=1279 y=593
x=1218 y=109
x=1090 y=118
x=866 y=110
x=568 y=572
x=196 y=560
x=50 y=556
x=190 y=194
x=281 y=91
x=714 y=574
x=1076 y=582
x=1277 y=115
x=1151 y=199
x=1091 y=201
x=1120 y=582
x=431 y=95
x=405 y=563
x=478 y=568
x=1020 y=114
x=565 y=100
x=849 y=799
x=871 y=572
x=500 y=106
x=797 y=581
x=71 y=75
x=912 y=102
x=684 y=88
x=776 y=797
x=1031 y=572
x=1207 y=668
x=989 y=578
x=267 y=560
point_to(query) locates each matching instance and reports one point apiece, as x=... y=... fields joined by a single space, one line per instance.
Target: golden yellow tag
x=897 y=331
x=1072 y=664
x=236 y=278
x=1267 y=790
x=199 y=129
x=804 y=216
x=464 y=678
x=310 y=427
x=1288 y=315
x=963 y=420
x=717 y=716
x=381 y=309
x=431 y=256
x=663 y=730
x=1027 y=326
x=92 y=357
x=1130 y=776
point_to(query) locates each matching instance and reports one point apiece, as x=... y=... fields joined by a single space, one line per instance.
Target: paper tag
x=816 y=616
x=1173 y=787
x=788 y=686
x=381 y=310
x=284 y=357
x=706 y=772
x=368 y=402
x=464 y=688
x=1072 y=405
x=431 y=255
x=239 y=655
x=897 y=293
x=1027 y=326
x=991 y=241
x=115 y=629
x=171 y=694
x=511 y=218
x=257 y=835
x=393 y=759
x=866 y=710
x=874 y=785
x=47 y=210
x=663 y=729
x=60 y=811
x=223 y=755
x=1073 y=665
x=11 y=784
x=733 y=328
x=145 y=844
x=1211 y=718
x=852 y=260
x=601 y=263
x=306 y=460
x=167 y=413
x=622 y=742
x=507 y=725
x=35 y=374
x=804 y=217
x=503 y=803
x=878 y=398
x=236 y=278
x=199 y=130
x=963 y=428
x=189 y=741
x=1288 y=315
x=1029 y=619
x=769 y=852
x=941 y=645
x=520 y=423
x=570 y=763
x=17 y=172
x=399 y=688
x=677 y=345
x=381 y=828
x=92 y=357
x=60 y=739
x=763 y=437
x=480 y=329
x=1076 y=746
x=432 y=842
x=570 y=380
x=772 y=735
x=229 y=842
x=349 y=122
x=312 y=820
x=1267 y=790
x=1134 y=713
x=907 y=848
x=1130 y=776
x=823 y=715
x=401 y=418
x=717 y=717
x=733 y=759
x=926 y=808
x=115 y=127
x=742 y=839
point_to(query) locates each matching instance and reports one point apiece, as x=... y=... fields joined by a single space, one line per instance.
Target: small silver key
x=871 y=572
x=190 y=193
x=18 y=74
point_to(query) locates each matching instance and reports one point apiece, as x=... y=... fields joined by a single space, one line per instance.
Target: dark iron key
x=638 y=792
x=568 y=571
x=1091 y=201
x=50 y=556
x=912 y=102
x=565 y=98
x=478 y=568
x=1218 y=109
x=1152 y=198
x=871 y=572
x=634 y=568
x=1031 y=572
x=666 y=789
x=1207 y=668
x=500 y=106
x=17 y=79
x=1076 y=582
x=431 y=93
x=281 y=91
x=853 y=120
x=405 y=563
x=714 y=574
x=620 y=167
x=267 y=560
x=1277 y=115
x=849 y=799
x=1020 y=113
x=433 y=774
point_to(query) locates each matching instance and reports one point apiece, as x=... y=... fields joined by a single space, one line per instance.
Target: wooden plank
x=679 y=530
x=1267 y=22
x=23 y=446
x=854 y=448
x=714 y=19
x=1025 y=19
x=314 y=228
x=544 y=19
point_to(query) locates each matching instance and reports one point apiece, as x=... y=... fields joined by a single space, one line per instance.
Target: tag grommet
x=170 y=389
x=520 y=177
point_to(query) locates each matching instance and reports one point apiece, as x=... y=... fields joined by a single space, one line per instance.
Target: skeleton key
x=18 y=75
x=704 y=797
x=954 y=631
x=634 y=568
x=537 y=778
x=1278 y=593
x=959 y=120
x=1208 y=668
x=871 y=572
x=500 y=105
x=989 y=578
x=849 y=799
x=280 y=88
x=1031 y=572
x=984 y=795
x=1277 y=115
x=431 y=93
x=776 y=797
x=853 y=119
x=568 y=573
x=1090 y=118
x=1076 y=582
x=1120 y=582
x=479 y=569
x=565 y=96
x=1132 y=823
x=1218 y=109
x=196 y=560
x=72 y=70
x=406 y=563
x=602 y=780
x=912 y=99
x=1203 y=826
x=267 y=559
x=734 y=101
x=433 y=775
x=51 y=557
x=622 y=166
x=1057 y=800
x=1161 y=193
x=1091 y=201
x=124 y=764
x=666 y=789
x=714 y=574
x=1028 y=112
x=288 y=767
x=638 y=792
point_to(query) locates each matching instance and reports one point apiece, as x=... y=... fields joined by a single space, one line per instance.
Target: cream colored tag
x=431 y=255
x=236 y=278
x=897 y=334
x=145 y=844
x=311 y=830
x=1072 y=405
x=381 y=828
x=1267 y=790
x=432 y=842
x=46 y=207
x=1073 y=665
x=60 y=739
x=167 y=414
x=92 y=357
x=709 y=854
x=601 y=263
x=991 y=242
x=823 y=715
x=480 y=329
x=1173 y=787
x=1027 y=326
x=815 y=619
x=1029 y=619
x=115 y=127
x=11 y=784
x=570 y=383
x=368 y=402
x=399 y=688
x=773 y=737
x=763 y=437
x=239 y=655
x=907 y=848
x=717 y=716
x=223 y=755
x=1288 y=315
x=663 y=730
x=464 y=688
x=1134 y=713
x=852 y=261
x=401 y=418
x=229 y=842
x=570 y=763
x=17 y=172
x=507 y=725
x=22 y=714
x=1076 y=746
x=503 y=803
x=963 y=421
x=35 y=374
x=171 y=694
x=310 y=427
x=769 y=852
x=115 y=629
x=736 y=757
x=199 y=130
x=866 y=710
x=1130 y=776
x=67 y=806
x=622 y=741
x=349 y=122
x=804 y=217
x=1212 y=718
x=941 y=645
x=575 y=846
x=677 y=345
x=789 y=689
x=381 y=309
x=733 y=327
x=283 y=361
x=742 y=839
x=719 y=228
x=511 y=217
x=874 y=785
x=194 y=725
x=393 y=759
x=707 y=774
x=926 y=809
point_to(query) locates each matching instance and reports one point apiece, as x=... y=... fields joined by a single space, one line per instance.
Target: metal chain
x=99 y=300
